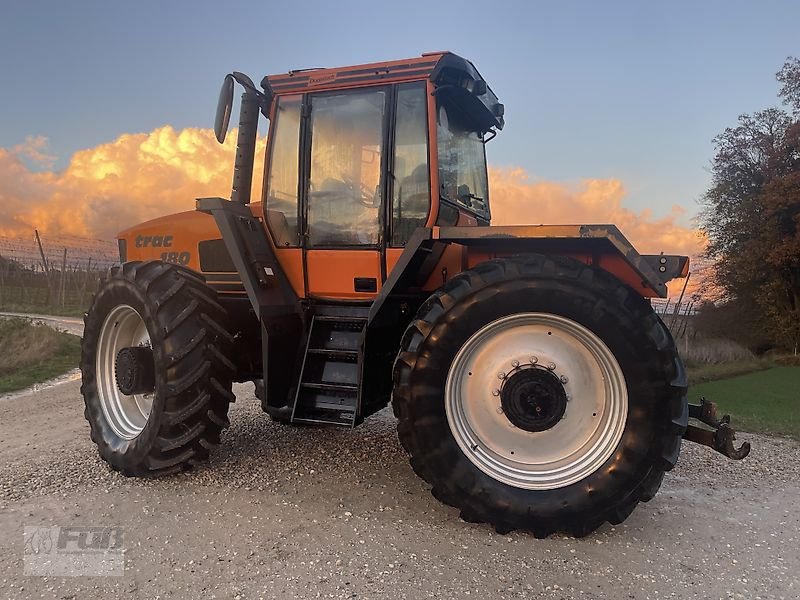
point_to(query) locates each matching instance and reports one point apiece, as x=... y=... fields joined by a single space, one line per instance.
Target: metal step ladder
x=329 y=388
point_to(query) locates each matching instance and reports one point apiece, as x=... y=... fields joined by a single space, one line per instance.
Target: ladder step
x=335 y=353
x=331 y=405
x=311 y=421
x=347 y=312
x=329 y=387
x=340 y=319
x=332 y=387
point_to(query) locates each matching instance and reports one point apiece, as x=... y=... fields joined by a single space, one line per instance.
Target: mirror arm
x=248 y=85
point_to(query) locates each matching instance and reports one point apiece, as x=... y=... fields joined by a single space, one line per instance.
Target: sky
x=613 y=102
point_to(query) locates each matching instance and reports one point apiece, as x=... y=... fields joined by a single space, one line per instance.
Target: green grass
x=763 y=402
x=32 y=353
x=702 y=373
x=43 y=309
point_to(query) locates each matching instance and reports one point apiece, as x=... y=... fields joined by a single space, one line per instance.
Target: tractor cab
x=360 y=157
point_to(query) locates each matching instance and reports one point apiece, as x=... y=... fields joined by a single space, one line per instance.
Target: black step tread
x=310 y=421
x=316 y=405
x=334 y=352
x=351 y=311
x=338 y=319
x=336 y=387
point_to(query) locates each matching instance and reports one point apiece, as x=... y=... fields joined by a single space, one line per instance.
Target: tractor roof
x=303 y=80
x=442 y=68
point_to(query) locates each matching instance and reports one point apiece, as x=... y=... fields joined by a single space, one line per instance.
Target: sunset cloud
x=34 y=148
x=112 y=186
x=140 y=176
x=518 y=200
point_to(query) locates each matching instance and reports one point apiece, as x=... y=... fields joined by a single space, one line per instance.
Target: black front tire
x=654 y=375
x=193 y=374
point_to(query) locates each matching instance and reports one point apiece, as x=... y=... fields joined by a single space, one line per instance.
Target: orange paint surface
x=181 y=232
x=331 y=272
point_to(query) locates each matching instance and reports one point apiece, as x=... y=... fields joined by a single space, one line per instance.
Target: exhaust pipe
x=245 y=147
x=252 y=101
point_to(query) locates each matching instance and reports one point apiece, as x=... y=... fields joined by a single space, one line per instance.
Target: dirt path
x=311 y=512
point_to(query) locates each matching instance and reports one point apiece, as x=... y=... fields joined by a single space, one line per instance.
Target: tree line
x=751 y=216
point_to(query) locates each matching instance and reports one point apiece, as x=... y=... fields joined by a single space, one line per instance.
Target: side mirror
x=224 y=107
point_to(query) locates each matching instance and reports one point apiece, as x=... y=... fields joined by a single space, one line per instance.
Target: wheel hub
x=124 y=365
x=533 y=399
x=536 y=400
x=134 y=370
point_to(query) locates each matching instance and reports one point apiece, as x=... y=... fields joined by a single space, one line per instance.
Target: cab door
x=345 y=152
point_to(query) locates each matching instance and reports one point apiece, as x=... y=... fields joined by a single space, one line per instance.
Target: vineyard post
x=86 y=281
x=62 y=287
x=45 y=266
x=2 y=277
x=680 y=301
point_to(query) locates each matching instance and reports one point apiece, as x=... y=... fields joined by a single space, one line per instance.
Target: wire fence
x=51 y=273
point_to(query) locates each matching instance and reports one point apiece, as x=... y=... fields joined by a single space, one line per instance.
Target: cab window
x=410 y=182
x=345 y=187
x=462 y=161
x=281 y=197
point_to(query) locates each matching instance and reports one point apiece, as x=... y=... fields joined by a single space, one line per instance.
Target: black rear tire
x=657 y=411
x=193 y=374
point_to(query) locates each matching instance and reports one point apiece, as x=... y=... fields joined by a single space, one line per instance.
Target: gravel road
x=321 y=512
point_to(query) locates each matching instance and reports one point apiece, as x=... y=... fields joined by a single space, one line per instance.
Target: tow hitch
x=721 y=437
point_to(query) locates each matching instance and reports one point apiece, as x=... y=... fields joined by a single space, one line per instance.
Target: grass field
x=31 y=353
x=766 y=401
x=703 y=373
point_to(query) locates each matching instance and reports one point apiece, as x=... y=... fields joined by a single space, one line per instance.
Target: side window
x=411 y=188
x=281 y=201
x=344 y=198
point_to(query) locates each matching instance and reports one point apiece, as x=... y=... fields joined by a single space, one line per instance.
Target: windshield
x=462 y=162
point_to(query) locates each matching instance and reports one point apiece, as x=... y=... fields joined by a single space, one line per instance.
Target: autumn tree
x=752 y=214
x=789 y=78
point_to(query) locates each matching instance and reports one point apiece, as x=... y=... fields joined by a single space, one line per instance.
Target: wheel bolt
x=534 y=360
x=499 y=410
x=495 y=392
x=501 y=375
x=515 y=363
x=551 y=366
x=564 y=379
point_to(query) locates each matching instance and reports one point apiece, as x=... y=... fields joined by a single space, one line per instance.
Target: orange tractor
x=533 y=384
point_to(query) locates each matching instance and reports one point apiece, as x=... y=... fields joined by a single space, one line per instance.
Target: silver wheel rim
x=572 y=449
x=127 y=415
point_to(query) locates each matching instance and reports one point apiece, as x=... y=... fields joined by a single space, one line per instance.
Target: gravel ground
x=324 y=512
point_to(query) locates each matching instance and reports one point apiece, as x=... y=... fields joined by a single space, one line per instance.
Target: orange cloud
x=112 y=186
x=34 y=148
x=517 y=200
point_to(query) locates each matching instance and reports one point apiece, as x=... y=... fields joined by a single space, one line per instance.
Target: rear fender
x=435 y=254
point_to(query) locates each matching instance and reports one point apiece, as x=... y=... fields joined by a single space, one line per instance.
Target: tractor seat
x=283 y=234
